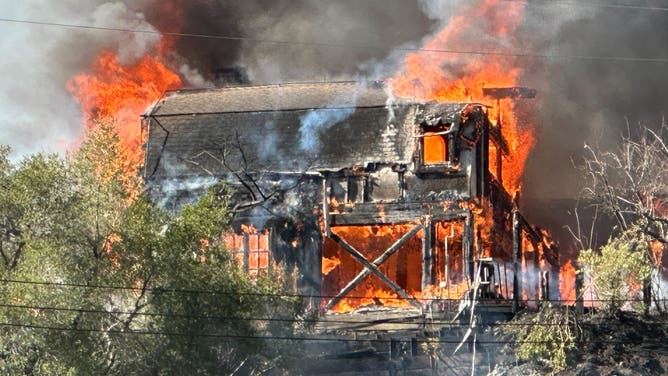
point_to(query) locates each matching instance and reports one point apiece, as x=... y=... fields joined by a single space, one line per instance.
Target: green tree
x=180 y=304
x=547 y=336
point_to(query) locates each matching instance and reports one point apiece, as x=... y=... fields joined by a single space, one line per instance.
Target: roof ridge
x=370 y=84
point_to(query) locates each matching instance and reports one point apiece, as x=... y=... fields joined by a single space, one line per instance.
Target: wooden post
x=579 y=293
x=536 y=269
x=246 y=252
x=325 y=205
x=499 y=159
x=446 y=252
x=467 y=245
x=517 y=261
x=554 y=274
x=545 y=285
x=427 y=252
x=505 y=278
x=484 y=169
x=271 y=244
x=647 y=295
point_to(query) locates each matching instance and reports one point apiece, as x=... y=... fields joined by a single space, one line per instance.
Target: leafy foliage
x=547 y=336
x=127 y=288
x=619 y=269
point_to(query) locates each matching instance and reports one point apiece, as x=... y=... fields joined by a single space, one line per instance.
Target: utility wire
x=289 y=338
x=590 y=5
x=345 y=46
x=389 y=320
x=283 y=295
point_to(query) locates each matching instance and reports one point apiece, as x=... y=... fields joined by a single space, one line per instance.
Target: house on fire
x=371 y=199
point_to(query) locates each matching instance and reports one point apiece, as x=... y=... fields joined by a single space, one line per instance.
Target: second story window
x=435 y=149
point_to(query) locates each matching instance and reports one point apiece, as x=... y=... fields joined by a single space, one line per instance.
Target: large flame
x=404 y=266
x=435 y=74
x=120 y=93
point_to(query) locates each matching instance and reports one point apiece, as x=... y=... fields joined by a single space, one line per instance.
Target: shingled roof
x=297 y=96
x=263 y=127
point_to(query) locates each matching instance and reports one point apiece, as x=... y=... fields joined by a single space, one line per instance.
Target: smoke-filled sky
x=580 y=100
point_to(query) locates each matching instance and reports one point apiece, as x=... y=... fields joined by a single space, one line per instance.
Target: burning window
x=250 y=249
x=435 y=148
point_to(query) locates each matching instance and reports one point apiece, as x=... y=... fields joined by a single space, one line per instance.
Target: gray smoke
x=586 y=100
x=36 y=111
x=315 y=122
x=38 y=114
x=376 y=26
x=591 y=100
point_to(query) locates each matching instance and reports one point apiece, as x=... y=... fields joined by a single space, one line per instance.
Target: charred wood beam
x=377 y=262
x=428 y=239
x=484 y=169
x=246 y=249
x=467 y=247
x=373 y=269
x=500 y=142
x=517 y=259
x=162 y=148
x=272 y=248
x=325 y=205
x=579 y=292
x=536 y=266
x=545 y=286
x=370 y=215
x=534 y=236
x=509 y=92
x=498 y=195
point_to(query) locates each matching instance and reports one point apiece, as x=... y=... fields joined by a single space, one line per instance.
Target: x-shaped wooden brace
x=373 y=268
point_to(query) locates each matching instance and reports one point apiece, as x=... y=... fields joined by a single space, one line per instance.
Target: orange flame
x=433 y=73
x=329 y=264
x=403 y=267
x=567 y=282
x=121 y=93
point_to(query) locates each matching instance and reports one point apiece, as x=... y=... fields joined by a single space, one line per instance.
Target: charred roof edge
x=268 y=110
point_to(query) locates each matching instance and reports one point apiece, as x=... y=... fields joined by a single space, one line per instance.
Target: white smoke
x=193 y=77
x=439 y=9
x=316 y=122
x=37 y=113
x=659 y=290
x=129 y=46
x=177 y=188
x=172 y=193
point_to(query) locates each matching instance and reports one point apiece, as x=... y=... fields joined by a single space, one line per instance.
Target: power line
x=288 y=338
x=282 y=319
x=345 y=46
x=590 y=5
x=192 y=291
x=287 y=295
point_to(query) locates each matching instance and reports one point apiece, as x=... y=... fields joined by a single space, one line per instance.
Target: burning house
x=372 y=199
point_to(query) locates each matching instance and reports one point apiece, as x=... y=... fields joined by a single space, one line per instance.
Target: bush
x=619 y=269
x=545 y=337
